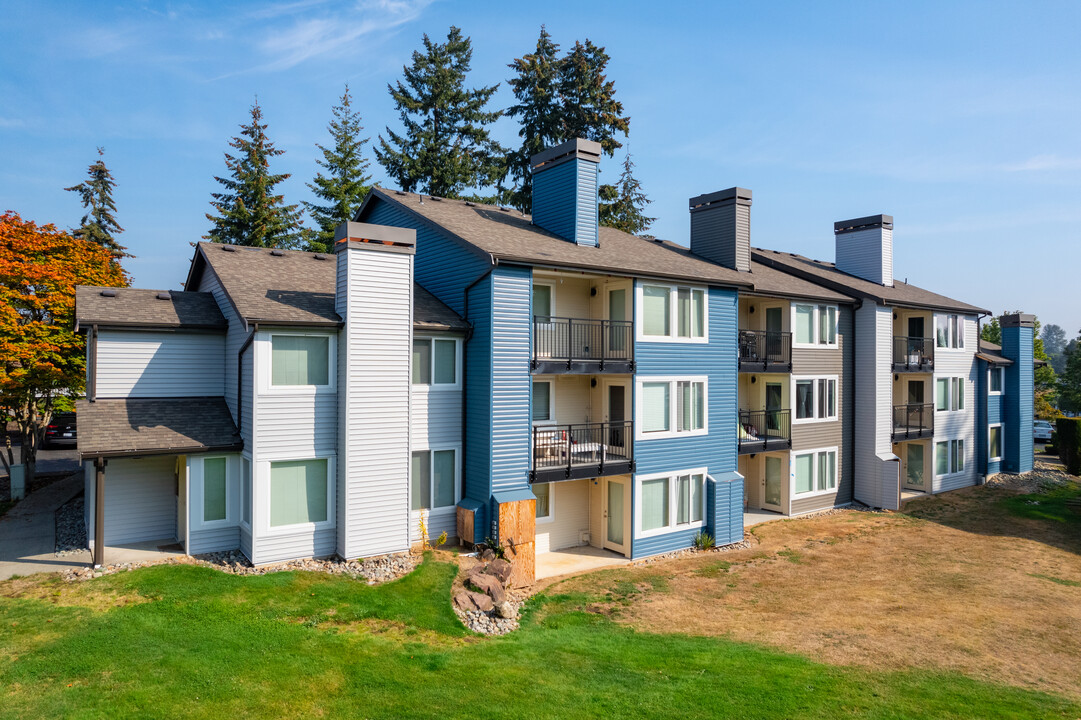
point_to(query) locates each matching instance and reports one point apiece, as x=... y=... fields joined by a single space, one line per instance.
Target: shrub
x=1069 y=444
x=703 y=541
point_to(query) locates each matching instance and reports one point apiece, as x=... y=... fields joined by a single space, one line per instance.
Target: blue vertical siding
x=1017 y=401
x=477 y=466
x=715 y=450
x=565 y=201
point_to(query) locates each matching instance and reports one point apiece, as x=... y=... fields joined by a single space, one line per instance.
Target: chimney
x=565 y=185
x=721 y=227
x=374 y=297
x=1017 y=392
x=864 y=248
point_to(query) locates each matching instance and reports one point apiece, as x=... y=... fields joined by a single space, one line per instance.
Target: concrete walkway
x=28 y=531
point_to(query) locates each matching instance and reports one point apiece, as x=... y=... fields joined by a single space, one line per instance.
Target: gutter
x=185 y=450
x=240 y=378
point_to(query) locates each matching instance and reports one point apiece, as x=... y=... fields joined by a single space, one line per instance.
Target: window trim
x=266 y=369
x=199 y=500
x=442 y=509
x=816 y=320
x=550 y=382
x=265 y=528
x=952 y=319
x=952 y=383
x=671 y=432
x=794 y=379
x=431 y=385
x=950 y=457
x=246 y=456
x=551 y=285
x=1001 y=442
x=551 y=516
x=1001 y=372
x=814 y=452
x=673 y=313
x=673 y=495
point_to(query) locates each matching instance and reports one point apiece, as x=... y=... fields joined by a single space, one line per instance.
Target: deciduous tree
x=42 y=358
x=99 y=224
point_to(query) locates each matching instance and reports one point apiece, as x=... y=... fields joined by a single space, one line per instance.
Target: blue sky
x=959 y=119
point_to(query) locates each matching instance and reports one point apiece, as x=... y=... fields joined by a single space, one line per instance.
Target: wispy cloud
x=6 y=122
x=1044 y=163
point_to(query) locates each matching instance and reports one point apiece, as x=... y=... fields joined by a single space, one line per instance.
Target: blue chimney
x=1018 y=392
x=565 y=185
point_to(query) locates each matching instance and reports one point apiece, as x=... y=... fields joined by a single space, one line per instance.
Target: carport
x=139 y=435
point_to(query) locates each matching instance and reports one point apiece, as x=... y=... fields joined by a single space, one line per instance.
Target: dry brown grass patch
x=52 y=589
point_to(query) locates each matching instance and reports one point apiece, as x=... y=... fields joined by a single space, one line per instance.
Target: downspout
x=92 y=361
x=240 y=377
x=465 y=394
x=99 y=512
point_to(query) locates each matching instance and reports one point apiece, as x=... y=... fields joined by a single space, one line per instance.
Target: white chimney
x=865 y=248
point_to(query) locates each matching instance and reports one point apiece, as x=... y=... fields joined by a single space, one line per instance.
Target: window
x=674 y=312
x=215 y=489
x=815 y=398
x=542 y=302
x=543 y=491
x=299 y=360
x=435 y=476
x=435 y=362
x=298 y=492
x=245 y=489
x=994 y=381
x=949 y=331
x=815 y=325
x=668 y=407
x=949 y=394
x=542 y=400
x=949 y=457
x=671 y=502
x=994 y=442
x=816 y=471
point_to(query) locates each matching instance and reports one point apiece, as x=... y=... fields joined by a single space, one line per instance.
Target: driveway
x=28 y=531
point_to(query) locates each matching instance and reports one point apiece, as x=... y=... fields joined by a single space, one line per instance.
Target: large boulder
x=468 y=600
x=501 y=569
x=488 y=584
x=505 y=610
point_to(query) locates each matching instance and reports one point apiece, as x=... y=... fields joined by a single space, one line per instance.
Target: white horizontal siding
x=958 y=424
x=280 y=548
x=570 y=516
x=159 y=364
x=439 y=521
x=296 y=426
x=436 y=418
x=140 y=500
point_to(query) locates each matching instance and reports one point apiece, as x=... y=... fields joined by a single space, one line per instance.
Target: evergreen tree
x=347 y=180
x=248 y=211
x=627 y=203
x=589 y=107
x=99 y=225
x=445 y=147
x=1069 y=382
x=539 y=109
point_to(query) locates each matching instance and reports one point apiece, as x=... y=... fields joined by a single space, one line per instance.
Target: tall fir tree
x=346 y=181
x=99 y=224
x=248 y=211
x=625 y=209
x=589 y=106
x=538 y=107
x=445 y=147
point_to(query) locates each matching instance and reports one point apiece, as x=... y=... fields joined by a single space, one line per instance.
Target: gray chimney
x=565 y=190
x=865 y=248
x=721 y=227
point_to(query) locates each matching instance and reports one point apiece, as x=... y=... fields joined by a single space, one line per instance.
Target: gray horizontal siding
x=159 y=364
x=245 y=542
x=140 y=500
x=216 y=540
x=294 y=546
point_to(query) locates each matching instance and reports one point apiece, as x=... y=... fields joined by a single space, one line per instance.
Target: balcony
x=570 y=452
x=574 y=345
x=913 y=354
x=912 y=422
x=765 y=351
x=764 y=431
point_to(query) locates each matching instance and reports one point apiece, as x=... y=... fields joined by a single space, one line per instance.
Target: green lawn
x=1050 y=505
x=184 y=641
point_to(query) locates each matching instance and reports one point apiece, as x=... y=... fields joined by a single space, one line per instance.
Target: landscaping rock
x=488 y=584
x=506 y=610
x=71 y=528
x=468 y=600
x=487 y=554
x=501 y=569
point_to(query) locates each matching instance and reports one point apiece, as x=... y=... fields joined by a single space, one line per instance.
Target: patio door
x=774 y=351
x=619 y=334
x=914 y=469
x=915 y=338
x=617 y=514
x=773 y=404
x=771 y=497
x=615 y=412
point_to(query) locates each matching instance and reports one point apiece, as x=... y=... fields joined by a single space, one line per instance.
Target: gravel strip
x=71 y=535
x=1045 y=476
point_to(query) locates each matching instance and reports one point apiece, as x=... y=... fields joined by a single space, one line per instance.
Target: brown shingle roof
x=290 y=287
x=768 y=281
x=122 y=307
x=992 y=353
x=901 y=293
x=509 y=236
x=155 y=426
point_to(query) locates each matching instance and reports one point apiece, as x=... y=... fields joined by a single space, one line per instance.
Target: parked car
x=1041 y=430
x=61 y=431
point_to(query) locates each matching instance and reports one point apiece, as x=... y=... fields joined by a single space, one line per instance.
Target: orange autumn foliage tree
x=42 y=358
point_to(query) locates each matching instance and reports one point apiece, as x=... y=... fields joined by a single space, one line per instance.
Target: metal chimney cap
x=863 y=223
x=579 y=148
x=721 y=197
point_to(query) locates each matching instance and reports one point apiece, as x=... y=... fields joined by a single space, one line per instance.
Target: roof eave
x=179 y=450
x=620 y=271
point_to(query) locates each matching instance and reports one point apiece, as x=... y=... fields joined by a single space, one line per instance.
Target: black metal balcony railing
x=765 y=351
x=562 y=345
x=569 y=452
x=914 y=421
x=913 y=354
x=764 y=431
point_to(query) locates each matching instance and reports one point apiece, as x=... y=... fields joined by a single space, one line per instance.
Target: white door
x=772 y=483
x=617 y=514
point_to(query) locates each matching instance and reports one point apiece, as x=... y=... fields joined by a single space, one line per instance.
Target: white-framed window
x=949 y=394
x=994 y=442
x=544 y=294
x=300 y=360
x=950 y=332
x=545 y=493
x=245 y=490
x=543 y=398
x=949 y=457
x=299 y=494
x=814 y=471
x=995 y=380
x=215 y=501
x=436 y=479
x=814 y=326
x=670 y=501
x=436 y=362
x=671 y=407
x=672 y=313
x=814 y=399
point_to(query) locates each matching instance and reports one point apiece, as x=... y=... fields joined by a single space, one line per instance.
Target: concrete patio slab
x=570 y=561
